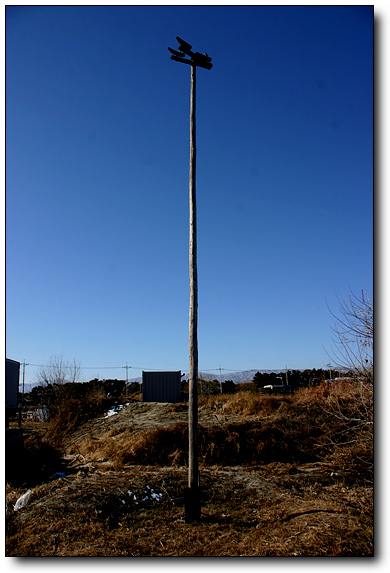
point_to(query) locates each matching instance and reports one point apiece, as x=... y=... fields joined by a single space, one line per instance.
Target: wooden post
x=193 y=497
x=192 y=494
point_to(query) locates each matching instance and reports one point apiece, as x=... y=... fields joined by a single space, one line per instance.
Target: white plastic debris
x=59 y=475
x=22 y=501
x=110 y=413
x=150 y=494
x=114 y=410
x=132 y=496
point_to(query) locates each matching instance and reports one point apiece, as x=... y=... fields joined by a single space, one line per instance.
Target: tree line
x=294 y=378
x=53 y=392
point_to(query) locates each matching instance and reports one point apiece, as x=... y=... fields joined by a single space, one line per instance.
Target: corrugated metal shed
x=161 y=386
x=12 y=369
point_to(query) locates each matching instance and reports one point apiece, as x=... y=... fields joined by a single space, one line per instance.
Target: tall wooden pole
x=193 y=490
x=193 y=505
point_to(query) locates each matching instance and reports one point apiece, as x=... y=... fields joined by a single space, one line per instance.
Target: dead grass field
x=280 y=476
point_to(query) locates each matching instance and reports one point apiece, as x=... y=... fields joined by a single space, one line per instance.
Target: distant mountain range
x=236 y=377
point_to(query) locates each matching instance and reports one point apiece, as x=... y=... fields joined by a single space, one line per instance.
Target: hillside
x=272 y=484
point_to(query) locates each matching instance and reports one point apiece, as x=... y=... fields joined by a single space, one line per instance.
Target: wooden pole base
x=192 y=504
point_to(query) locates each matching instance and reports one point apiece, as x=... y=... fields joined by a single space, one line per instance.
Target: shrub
x=72 y=411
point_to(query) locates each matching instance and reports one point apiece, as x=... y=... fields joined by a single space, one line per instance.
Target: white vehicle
x=278 y=389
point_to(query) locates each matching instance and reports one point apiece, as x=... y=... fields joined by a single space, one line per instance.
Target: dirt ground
x=94 y=506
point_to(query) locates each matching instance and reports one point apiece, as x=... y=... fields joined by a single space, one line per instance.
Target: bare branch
x=58 y=371
x=353 y=330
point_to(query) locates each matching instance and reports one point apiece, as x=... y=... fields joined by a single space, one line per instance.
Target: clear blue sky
x=97 y=160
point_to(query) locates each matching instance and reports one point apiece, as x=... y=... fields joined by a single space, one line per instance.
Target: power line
x=80 y=367
x=99 y=367
x=139 y=368
x=225 y=369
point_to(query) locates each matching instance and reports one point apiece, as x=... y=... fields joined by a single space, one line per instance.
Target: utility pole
x=22 y=400
x=127 y=379
x=193 y=508
x=24 y=374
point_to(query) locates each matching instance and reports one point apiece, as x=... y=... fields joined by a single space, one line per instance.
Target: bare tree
x=351 y=404
x=52 y=378
x=353 y=335
x=58 y=371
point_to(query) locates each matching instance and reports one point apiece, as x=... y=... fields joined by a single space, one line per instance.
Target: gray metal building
x=12 y=370
x=161 y=386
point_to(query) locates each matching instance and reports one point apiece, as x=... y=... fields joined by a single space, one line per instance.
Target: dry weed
x=243 y=514
x=315 y=424
x=274 y=482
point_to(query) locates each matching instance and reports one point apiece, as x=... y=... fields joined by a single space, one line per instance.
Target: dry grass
x=280 y=476
x=257 y=513
x=70 y=413
x=319 y=424
x=243 y=403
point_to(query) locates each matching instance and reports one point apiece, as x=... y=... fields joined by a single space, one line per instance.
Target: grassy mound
x=332 y=424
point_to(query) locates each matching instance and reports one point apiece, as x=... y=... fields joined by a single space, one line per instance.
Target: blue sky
x=97 y=159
